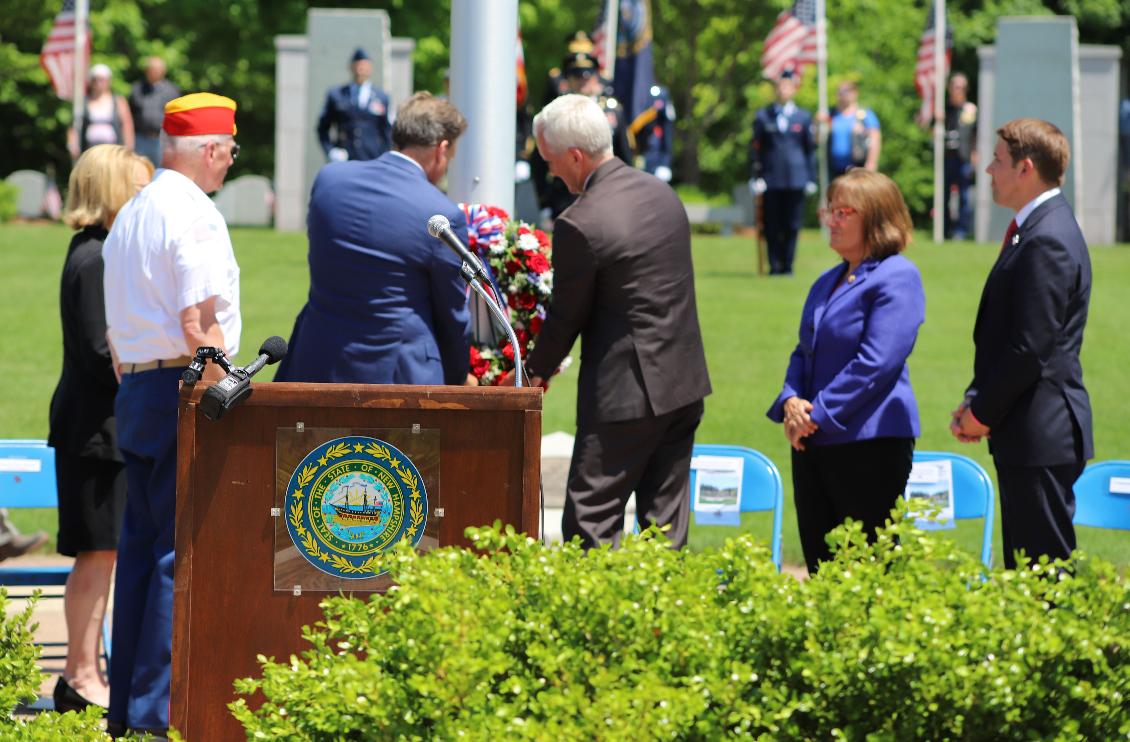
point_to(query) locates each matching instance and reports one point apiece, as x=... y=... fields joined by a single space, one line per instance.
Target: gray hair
x=574 y=121
x=184 y=145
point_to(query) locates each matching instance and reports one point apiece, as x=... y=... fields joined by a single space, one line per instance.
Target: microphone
x=236 y=386
x=440 y=227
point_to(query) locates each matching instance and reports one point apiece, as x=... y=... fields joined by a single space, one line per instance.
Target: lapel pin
x=1016 y=239
x=851 y=278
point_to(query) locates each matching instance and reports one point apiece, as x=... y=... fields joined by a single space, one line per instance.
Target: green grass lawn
x=749 y=323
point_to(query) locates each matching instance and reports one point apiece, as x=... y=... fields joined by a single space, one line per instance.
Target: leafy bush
x=19 y=683
x=9 y=201
x=903 y=639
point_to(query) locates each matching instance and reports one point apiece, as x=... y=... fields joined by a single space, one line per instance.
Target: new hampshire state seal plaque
x=350 y=500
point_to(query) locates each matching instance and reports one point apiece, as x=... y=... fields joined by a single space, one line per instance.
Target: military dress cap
x=580 y=42
x=358 y=55
x=581 y=64
x=199 y=113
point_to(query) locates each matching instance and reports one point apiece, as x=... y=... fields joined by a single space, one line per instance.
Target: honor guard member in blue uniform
x=583 y=76
x=784 y=170
x=171 y=284
x=652 y=129
x=356 y=121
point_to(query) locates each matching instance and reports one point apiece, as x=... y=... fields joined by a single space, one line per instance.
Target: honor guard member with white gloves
x=356 y=120
x=171 y=285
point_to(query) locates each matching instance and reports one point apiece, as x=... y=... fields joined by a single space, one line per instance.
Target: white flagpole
x=822 y=127
x=79 y=92
x=939 y=118
x=611 y=29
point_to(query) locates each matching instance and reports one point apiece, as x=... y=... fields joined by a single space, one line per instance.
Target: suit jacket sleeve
x=325 y=121
x=574 y=284
x=890 y=329
x=90 y=306
x=1043 y=278
x=810 y=149
x=450 y=315
x=755 y=166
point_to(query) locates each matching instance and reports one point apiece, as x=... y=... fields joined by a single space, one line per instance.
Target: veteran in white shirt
x=171 y=285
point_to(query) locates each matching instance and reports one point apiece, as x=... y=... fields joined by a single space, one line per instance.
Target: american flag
x=924 y=74
x=792 y=42
x=58 y=55
x=520 y=71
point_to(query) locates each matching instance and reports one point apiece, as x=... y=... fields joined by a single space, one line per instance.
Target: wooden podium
x=233 y=596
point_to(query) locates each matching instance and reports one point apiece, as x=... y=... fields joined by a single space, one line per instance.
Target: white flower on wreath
x=497 y=247
x=528 y=242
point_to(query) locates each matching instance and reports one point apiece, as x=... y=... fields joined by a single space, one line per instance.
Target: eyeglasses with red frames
x=835 y=216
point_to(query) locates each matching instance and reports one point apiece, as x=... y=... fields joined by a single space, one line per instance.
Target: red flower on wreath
x=537 y=263
x=535 y=324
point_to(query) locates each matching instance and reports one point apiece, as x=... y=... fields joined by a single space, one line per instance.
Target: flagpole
x=611 y=29
x=822 y=94
x=939 y=118
x=79 y=93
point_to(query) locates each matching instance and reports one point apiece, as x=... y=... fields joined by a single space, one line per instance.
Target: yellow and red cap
x=199 y=113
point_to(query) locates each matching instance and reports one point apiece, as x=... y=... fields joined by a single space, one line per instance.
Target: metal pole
x=611 y=45
x=939 y=118
x=483 y=87
x=822 y=94
x=80 y=60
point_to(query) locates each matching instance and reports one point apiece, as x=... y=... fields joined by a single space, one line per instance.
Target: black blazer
x=1029 y=330
x=82 y=408
x=624 y=281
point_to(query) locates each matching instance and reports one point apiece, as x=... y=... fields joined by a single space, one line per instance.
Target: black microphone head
x=274 y=348
x=437 y=224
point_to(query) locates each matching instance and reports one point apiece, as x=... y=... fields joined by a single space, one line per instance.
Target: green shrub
x=19 y=683
x=9 y=201
x=903 y=639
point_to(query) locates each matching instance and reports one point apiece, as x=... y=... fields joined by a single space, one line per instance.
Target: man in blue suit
x=387 y=304
x=784 y=170
x=1027 y=395
x=356 y=119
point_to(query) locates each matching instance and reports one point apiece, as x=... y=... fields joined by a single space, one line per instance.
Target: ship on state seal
x=355 y=506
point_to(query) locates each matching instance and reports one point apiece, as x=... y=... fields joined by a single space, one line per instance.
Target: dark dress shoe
x=68 y=699
x=19 y=545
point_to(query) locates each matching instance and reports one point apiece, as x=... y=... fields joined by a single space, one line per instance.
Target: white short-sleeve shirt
x=169 y=249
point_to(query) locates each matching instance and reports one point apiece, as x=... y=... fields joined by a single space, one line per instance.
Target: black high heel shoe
x=68 y=699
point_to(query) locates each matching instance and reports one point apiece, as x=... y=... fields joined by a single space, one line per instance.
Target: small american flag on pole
x=58 y=55
x=792 y=42
x=924 y=73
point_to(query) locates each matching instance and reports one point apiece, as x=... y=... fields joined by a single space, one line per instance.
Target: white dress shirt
x=169 y=249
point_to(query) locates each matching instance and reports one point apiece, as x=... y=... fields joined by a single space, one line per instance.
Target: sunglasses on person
x=234 y=148
x=835 y=216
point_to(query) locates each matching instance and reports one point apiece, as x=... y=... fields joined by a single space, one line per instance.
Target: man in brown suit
x=624 y=281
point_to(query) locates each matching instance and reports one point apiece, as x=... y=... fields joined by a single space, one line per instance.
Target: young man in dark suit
x=783 y=171
x=624 y=282
x=356 y=120
x=1027 y=394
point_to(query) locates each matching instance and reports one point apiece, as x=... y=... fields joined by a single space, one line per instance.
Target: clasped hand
x=964 y=426
x=798 y=421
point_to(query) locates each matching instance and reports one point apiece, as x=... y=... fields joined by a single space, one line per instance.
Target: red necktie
x=1008 y=235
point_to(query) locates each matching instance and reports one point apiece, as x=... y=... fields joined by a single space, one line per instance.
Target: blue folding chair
x=972 y=494
x=27 y=480
x=761 y=485
x=1102 y=496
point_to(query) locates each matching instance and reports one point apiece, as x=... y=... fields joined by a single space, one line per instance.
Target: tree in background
x=706 y=52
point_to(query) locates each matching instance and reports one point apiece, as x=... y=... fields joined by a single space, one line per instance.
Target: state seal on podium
x=350 y=500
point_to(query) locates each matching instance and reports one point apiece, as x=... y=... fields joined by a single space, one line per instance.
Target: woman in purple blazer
x=847 y=405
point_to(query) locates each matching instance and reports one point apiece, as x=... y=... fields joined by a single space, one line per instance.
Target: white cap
x=100 y=70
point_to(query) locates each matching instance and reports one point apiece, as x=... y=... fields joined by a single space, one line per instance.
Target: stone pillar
x=291 y=133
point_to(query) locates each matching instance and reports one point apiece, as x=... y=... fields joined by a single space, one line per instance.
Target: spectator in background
x=356 y=120
x=847 y=405
x=854 y=139
x=147 y=99
x=107 y=119
x=653 y=130
x=784 y=170
x=89 y=468
x=961 y=155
